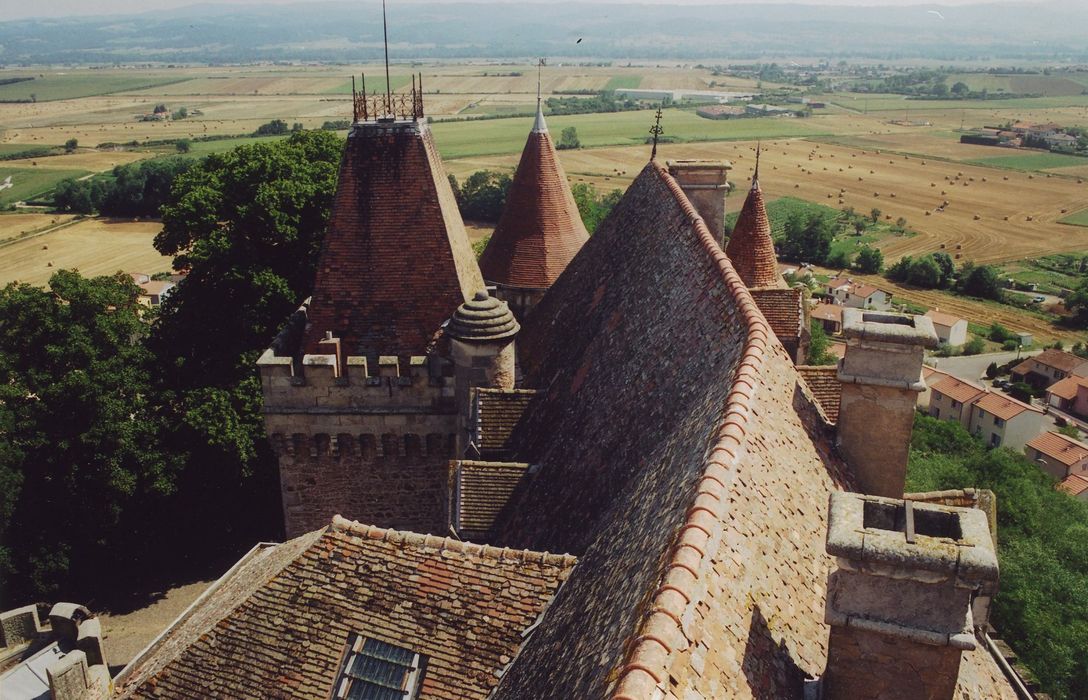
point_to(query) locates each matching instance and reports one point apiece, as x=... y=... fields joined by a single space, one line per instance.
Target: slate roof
x=750 y=247
x=497 y=413
x=783 y=309
x=823 y=382
x=957 y=389
x=1060 y=448
x=1004 y=407
x=396 y=261
x=278 y=625
x=540 y=229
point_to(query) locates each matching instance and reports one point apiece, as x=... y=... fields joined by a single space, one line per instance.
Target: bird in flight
x=579 y=40
x=934 y=12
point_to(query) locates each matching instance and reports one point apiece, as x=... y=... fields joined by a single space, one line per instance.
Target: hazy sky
x=12 y=9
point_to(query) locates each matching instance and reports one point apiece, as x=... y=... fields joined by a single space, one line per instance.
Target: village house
x=1002 y=421
x=858 y=295
x=1069 y=395
x=952 y=399
x=1058 y=455
x=1046 y=368
x=952 y=330
x=632 y=491
x=829 y=316
x=1075 y=485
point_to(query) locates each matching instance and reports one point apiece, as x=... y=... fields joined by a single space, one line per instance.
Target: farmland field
x=93 y=246
x=28 y=183
x=75 y=83
x=628 y=82
x=1079 y=218
x=1034 y=161
x=1047 y=85
x=13 y=225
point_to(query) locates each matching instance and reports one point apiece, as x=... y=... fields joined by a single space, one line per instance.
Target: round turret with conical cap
x=481 y=334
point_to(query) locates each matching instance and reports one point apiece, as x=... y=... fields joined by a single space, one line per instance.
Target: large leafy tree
x=247 y=227
x=78 y=456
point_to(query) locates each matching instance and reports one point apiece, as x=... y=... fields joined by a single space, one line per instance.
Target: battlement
x=366 y=447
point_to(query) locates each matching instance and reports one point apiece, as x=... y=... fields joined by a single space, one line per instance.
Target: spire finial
x=539 y=126
x=755 y=175
x=656 y=130
x=388 y=88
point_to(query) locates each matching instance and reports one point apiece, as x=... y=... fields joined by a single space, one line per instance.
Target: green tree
x=568 y=139
x=139 y=189
x=272 y=128
x=819 y=346
x=960 y=88
x=181 y=113
x=869 y=260
x=71 y=145
x=924 y=272
x=981 y=281
x=483 y=195
x=593 y=207
x=78 y=196
x=874 y=214
x=79 y=466
x=974 y=346
x=183 y=145
x=1077 y=303
x=807 y=238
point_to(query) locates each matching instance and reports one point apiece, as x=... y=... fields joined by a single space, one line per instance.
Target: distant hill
x=341 y=31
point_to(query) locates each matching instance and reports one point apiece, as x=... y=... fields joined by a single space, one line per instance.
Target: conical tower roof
x=396 y=261
x=750 y=248
x=540 y=229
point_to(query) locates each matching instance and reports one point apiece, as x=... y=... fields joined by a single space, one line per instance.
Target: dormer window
x=374 y=670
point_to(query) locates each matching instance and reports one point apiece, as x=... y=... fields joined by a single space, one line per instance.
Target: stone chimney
x=482 y=332
x=881 y=377
x=913 y=584
x=704 y=183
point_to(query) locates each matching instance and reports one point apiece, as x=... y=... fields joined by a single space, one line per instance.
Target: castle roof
x=750 y=247
x=396 y=261
x=540 y=229
x=279 y=624
x=823 y=382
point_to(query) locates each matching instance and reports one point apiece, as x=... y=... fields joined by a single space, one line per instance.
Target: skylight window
x=374 y=670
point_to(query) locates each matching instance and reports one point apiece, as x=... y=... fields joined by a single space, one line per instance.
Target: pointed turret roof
x=540 y=229
x=750 y=248
x=396 y=261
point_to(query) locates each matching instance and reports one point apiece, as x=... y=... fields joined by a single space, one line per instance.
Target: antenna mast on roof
x=656 y=130
x=388 y=90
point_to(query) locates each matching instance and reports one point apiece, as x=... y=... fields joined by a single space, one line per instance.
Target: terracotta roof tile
x=1074 y=484
x=278 y=626
x=750 y=247
x=396 y=261
x=540 y=230
x=497 y=414
x=1059 y=447
x=783 y=309
x=823 y=382
x=827 y=312
x=957 y=389
x=1067 y=388
x=1051 y=357
x=1004 y=407
x=943 y=319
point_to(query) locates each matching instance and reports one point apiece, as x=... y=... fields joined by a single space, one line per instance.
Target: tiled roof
x=1074 y=484
x=540 y=229
x=838 y=282
x=865 y=290
x=783 y=308
x=482 y=491
x=957 y=389
x=1059 y=447
x=1051 y=357
x=278 y=625
x=827 y=312
x=1067 y=388
x=823 y=382
x=750 y=247
x=1004 y=407
x=497 y=413
x=943 y=319
x=396 y=261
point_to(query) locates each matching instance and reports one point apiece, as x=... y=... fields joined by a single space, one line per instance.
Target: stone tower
x=705 y=184
x=540 y=229
x=359 y=387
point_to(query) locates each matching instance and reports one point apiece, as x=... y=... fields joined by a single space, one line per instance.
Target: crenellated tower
x=359 y=387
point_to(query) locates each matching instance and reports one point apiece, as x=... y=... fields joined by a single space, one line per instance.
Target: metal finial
x=656 y=130
x=388 y=90
x=755 y=175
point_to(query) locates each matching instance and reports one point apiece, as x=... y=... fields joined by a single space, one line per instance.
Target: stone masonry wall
x=906 y=671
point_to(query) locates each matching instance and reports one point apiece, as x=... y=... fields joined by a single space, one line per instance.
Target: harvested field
x=79 y=82
x=94 y=247
x=94 y=161
x=13 y=225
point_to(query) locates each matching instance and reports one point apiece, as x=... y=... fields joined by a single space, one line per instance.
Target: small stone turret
x=913 y=584
x=881 y=377
x=482 y=334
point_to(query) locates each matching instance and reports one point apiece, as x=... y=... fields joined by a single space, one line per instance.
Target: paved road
x=974 y=366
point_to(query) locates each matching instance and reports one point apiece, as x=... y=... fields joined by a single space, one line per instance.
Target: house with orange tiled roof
x=671 y=512
x=1075 y=485
x=951 y=399
x=1049 y=366
x=1058 y=455
x=857 y=295
x=829 y=316
x=951 y=329
x=1002 y=421
x=540 y=229
x=1069 y=395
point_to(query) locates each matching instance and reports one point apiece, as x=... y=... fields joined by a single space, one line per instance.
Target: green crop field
x=499 y=136
x=374 y=83
x=900 y=105
x=1078 y=218
x=79 y=83
x=203 y=148
x=629 y=82
x=28 y=183
x=1047 y=85
x=1033 y=161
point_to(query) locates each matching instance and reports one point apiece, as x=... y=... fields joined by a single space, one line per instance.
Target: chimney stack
x=913 y=584
x=704 y=183
x=881 y=377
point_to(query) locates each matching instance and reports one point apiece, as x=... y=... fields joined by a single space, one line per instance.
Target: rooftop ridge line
x=448 y=544
x=645 y=663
